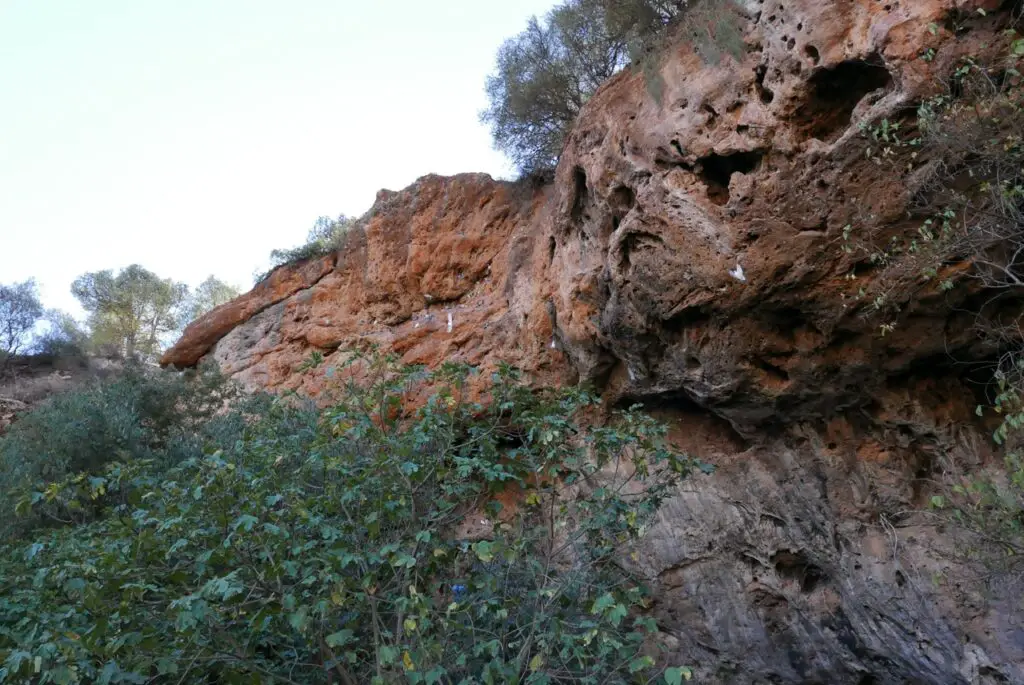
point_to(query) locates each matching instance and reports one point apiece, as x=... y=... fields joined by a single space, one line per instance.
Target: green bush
x=339 y=547
x=140 y=415
x=63 y=337
x=326 y=236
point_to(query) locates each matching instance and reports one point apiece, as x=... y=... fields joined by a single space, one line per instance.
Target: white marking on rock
x=554 y=345
x=450 y=323
x=738 y=274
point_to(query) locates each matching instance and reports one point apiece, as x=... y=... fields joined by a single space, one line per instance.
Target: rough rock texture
x=688 y=253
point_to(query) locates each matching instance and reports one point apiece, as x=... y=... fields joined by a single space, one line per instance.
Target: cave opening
x=716 y=171
x=835 y=92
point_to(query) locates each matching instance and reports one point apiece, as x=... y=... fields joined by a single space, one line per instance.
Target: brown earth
x=689 y=254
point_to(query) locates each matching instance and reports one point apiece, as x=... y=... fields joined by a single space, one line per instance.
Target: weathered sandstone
x=688 y=254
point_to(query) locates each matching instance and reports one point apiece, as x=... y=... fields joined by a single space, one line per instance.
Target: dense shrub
x=62 y=337
x=141 y=414
x=357 y=545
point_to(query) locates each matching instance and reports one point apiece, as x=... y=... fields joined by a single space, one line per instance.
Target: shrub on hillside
x=140 y=414
x=458 y=543
x=63 y=338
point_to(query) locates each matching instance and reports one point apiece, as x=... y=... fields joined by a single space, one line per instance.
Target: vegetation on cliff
x=965 y=147
x=545 y=74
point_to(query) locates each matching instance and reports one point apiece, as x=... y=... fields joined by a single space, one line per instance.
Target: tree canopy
x=325 y=236
x=131 y=311
x=544 y=75
x=20 y=310
x=208 y=295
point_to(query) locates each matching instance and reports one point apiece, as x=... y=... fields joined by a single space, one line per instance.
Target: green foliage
x=62 y=337
x=20 y=310
x=545 y=74
x=130 y=312
x=326 y=236
x=989 y=503
x=360 y=544
x=209 y=295
x=140 y=415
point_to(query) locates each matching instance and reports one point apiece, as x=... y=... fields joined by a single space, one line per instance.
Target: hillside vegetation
x=160 y=539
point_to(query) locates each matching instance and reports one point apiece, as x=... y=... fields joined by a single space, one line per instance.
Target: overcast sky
x=195 y=136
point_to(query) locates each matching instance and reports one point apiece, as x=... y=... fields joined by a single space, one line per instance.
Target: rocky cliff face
x=688 y=254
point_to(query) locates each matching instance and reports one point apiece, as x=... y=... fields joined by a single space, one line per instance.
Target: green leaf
x=299 y=619
x=603 y=603
x=640 y=663
x=340 y=638
x=245 y=521
x=676 y=675
x=617 y=613
x=484 y=550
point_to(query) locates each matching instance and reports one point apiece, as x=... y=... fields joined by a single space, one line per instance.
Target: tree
x=210 y=294
x=20 y=310
x=63 y=335
x=131 y=311
x=545 y=74
x=543 y=77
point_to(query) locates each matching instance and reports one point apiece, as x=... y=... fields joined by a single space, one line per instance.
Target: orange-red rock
x=625 y=272
x=689 y=254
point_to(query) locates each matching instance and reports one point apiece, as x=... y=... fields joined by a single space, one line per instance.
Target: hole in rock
x=796 y=567
x=773 y=371
x=834 y=93
x=641 y=240
x=622 y=199
x=712 y=115
x=812 y=53
x=579 y=192
x=716 y=170
x=765 y=94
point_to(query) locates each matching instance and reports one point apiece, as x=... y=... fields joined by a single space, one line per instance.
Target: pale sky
x=194 y=136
